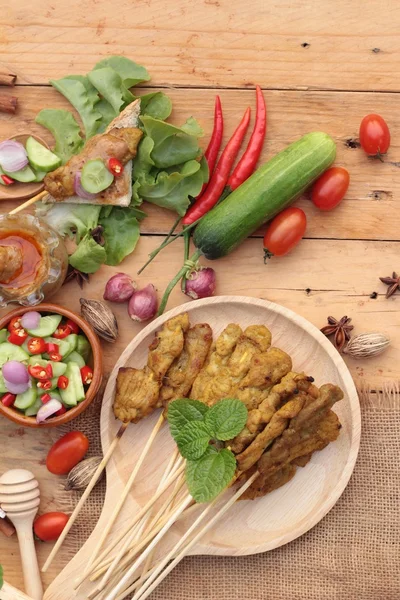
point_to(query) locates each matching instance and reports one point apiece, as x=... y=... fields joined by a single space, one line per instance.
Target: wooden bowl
x=22 y=191
x=96 y=363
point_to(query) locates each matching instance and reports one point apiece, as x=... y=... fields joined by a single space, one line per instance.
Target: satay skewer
x=28 y=202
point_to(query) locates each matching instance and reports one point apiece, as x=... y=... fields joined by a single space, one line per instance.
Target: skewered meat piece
x=183 y=371
x=167 y=345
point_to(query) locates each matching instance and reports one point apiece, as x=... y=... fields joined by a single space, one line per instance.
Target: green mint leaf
x=210 y=474
x=226 y=419
x=183 y=411
x=193 y=440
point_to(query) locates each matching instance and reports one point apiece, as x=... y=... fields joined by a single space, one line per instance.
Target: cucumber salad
x=43 y=365
x=25 y=164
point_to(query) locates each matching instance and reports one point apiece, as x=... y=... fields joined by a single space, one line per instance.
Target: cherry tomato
x=15 y=323
x=36 y=345
x=48 y=527
x=115 y=167
x=87 y=375
x=41 y=373
x=67 y=452
x=45 y=398
x=62 y=382
x=62 y=332
x=330 y=189
x=284 y=232
x=74 y=327
x=44 y=384
x=8 y=399
x=17 y=337
x=374 y=135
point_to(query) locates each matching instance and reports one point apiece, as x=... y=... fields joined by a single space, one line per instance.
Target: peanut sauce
x=24 y=273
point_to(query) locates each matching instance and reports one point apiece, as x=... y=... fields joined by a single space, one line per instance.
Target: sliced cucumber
x=3 y=335
x=3 y=389
x=47 y=326
x=33 y=410
x=76 y=358
x=54 y=382
x=95 y=176
x=83 y=347
x=41 y=157
x=56 y=395
x=59 y=368
x=64 y=347
x=12 y=352
x=26 y=399
x=25 y=175
x=37 y=359
x=75 y=392
x=72 y=340
x=39 y=175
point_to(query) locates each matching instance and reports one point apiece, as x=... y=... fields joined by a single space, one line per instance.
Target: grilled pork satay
x=183 y=371
x=137 y=390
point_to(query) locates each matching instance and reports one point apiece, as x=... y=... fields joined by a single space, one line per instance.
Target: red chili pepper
x=62 y=382
x=45 y=398
x=214 y=145
x=61 y=411
x=41 y=373
x=8 y=399
x=55 y=356
x=7 y=180
x=14 y=324
x=247 y=163
x=44 y=384
x=17 y=337
x=36 y=345
x=115 y=167
x=50 y=347
x=206 y=201
x=87 y=375
x=62 y=332
x=74 y=327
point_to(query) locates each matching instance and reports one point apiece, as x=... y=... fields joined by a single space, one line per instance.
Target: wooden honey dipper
x=20 y=499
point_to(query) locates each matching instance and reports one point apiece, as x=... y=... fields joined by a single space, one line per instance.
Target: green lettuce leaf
x=110 y=86
x=107 y=114
x=69 y=219
x=89 y=255
x=192 y=127
x=130 y=72
x=65 y=130
x=172 y=145
x=155 y=104
x=121 y=233
x=83 y=101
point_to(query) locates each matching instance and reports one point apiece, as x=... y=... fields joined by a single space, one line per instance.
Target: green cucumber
x=33 y=410
x=72 y=340
x=12 y=352
x=76 y=358
x=40 y=157
x=56 y=395
x=75 y=392
x=4 y=333
x=95 y=176
x=25 y=400
x=25 y=175
x=47 y=326
x=59 y=368
x=83 y=347
x=274 y=186
x=3 y=389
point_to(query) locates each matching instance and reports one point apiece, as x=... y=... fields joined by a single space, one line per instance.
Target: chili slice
x=62 y=332
x=206 y=201
x=61 y=411
x=36 y=345
x=247 y=163
x=44 y=384
x=62 y=382
x=45 y=398
x=14 y=324
x=41 y=373
x=115 y=167
x=74 y=327
x=55 y=356
x=17 y=337
x=7 y=180
x=8 y=399
x=87 y=375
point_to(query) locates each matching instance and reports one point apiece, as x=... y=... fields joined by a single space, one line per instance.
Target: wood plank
x=370 y=209
x=210 y=42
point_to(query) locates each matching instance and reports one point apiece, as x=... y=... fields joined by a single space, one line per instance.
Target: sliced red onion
x=143 y=304
x=119 y=288
x=13 y=156
x=17 y=388
x=80 y=190
x=15 y=372
x=201 y=284
x=48 y=409
x=31 y=320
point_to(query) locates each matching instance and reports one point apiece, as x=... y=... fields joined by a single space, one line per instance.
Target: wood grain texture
x=370 y=209
x=249 y=527
x=225 y=43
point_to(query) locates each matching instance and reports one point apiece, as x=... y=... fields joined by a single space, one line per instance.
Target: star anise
x=393 y=282
x=341 y=329
x=80 y=277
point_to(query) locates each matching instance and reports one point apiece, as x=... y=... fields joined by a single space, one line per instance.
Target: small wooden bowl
x=22 y=191
x=97 y=365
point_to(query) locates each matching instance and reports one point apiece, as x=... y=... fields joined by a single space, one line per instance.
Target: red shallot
x=201 y=283
x=119 y=288
x=143 y=304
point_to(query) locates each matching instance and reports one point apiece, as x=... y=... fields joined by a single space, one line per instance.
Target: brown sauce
x=31 y=258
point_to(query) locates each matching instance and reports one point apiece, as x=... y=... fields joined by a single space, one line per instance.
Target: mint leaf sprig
x=198 y=432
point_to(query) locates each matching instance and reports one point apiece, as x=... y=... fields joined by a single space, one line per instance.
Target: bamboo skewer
x=28 y=202
x=85 y=496
x=125 y=492
x=153 y=581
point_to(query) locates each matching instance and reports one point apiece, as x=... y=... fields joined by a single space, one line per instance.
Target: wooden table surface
x=322 y=66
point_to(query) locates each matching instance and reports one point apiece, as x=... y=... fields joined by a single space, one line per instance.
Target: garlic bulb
x=367 y=344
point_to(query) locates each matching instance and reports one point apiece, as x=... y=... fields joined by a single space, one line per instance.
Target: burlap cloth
x=352 y=554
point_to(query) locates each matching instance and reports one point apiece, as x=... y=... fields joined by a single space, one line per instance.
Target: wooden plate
x=22 y=191
x=250 y=526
